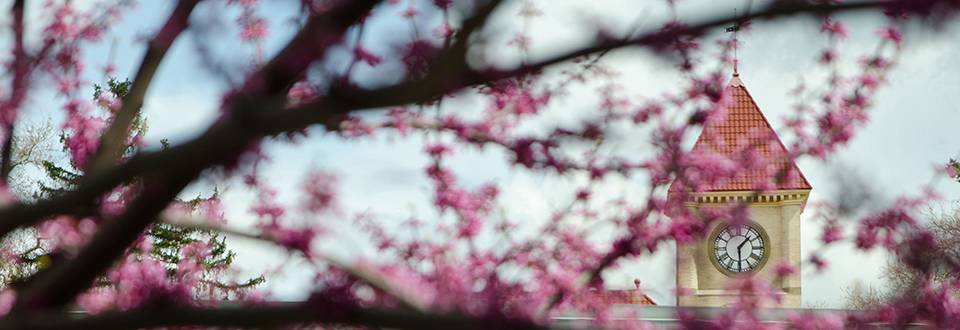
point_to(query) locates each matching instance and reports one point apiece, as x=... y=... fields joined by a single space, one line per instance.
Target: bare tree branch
x=310 y=44
x=112 y=141
x=20 y=71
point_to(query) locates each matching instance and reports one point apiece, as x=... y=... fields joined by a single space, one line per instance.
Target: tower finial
x=734 y=29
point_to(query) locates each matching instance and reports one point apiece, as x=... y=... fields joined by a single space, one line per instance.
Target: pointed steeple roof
x=744 y=132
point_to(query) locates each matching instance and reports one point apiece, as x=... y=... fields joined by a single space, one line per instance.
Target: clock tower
x=774 y=196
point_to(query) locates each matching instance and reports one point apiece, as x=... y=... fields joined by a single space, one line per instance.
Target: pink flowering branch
x=61 y=283
x=259 y=109
x=262 y=119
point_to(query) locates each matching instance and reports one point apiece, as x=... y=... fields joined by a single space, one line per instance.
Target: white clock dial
x=739 y=248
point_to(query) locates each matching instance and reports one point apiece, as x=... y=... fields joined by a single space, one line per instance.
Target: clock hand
x=739 y=259
x=740 y=254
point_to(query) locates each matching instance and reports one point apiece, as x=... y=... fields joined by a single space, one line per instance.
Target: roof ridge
x=736 y=76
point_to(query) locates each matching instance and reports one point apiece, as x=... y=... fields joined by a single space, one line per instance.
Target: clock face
x=739 y=248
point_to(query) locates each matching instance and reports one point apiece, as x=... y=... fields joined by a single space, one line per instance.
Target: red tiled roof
x=628 y=297
x=744 y=129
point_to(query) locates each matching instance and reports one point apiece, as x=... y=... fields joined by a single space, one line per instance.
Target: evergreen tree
x=166 y=241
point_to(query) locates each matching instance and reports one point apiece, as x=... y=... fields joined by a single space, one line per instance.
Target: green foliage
x=168 y=240
x=59 y=180
x=120 y=89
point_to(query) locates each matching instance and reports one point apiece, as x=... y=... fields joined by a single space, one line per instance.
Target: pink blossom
x=68 y=83
x=295 y=239
x=870 y=80
x=144 y=282
x=115 y=202
x=8 y=297
x=85 y=137
x=7 y=196
x=818 y=262
x=829 y=56
x=67 y=233
x=876 y=62
x=252 y=27
x=98 y=300
x=951 y=171
x=301 y=93
x=410 y=12
x=646 y=112
x=891 y=33
x=195 y=251
x=785 y=268
x=109 y=70
x=178 y=209
x=832 y=232
x=583 y=194
x=810 y=321
x=444 y=31
x=522 y=41
x=834 y=28
x=437 y=149
x=364 y=55
x=212 y=210
x=529 y=10
x=524 y=154
x=320 y=189
x=264 y=209
x=402 y=120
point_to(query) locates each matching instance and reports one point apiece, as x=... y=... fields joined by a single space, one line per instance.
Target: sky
x=912 y=127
